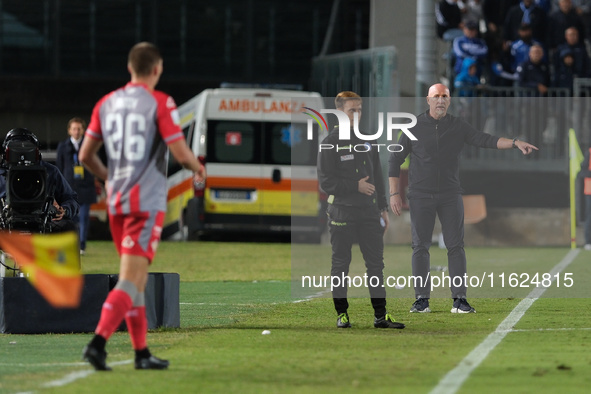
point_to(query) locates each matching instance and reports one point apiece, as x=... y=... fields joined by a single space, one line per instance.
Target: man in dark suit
x=79 y=178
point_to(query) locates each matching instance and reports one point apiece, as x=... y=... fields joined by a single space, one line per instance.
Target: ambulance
x=260 y=158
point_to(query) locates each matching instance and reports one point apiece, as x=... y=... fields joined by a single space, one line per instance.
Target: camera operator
x=61 y=202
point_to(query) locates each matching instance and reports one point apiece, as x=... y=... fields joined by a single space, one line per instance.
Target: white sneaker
x=587 y=247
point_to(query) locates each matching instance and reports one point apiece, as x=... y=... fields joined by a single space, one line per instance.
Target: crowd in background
x=536 y=44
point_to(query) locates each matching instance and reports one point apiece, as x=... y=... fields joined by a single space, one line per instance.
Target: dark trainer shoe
x=461 y=306
x=421 y=305
x=96 y=358
x=343 y=321
x=151 y=362
x=387 y=321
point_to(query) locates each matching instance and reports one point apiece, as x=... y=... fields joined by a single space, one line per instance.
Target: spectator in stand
x=544 y=5
x=578 y=68
x=534 y=72
x=471 y=11
x=519 y=50
x=448 y=16
x=525 y=12
x=494 y=13
x=564 y=72
x=560 y=20
x=467 y=80
x=583 y=8
x=470 y=46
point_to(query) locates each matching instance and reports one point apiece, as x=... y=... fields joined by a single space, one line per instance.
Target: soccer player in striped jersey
x=136 y=123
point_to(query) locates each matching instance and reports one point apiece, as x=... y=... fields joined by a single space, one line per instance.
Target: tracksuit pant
x=450 y=209
x=348 y=225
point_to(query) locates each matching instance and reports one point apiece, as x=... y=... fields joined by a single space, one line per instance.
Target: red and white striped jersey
x=135 y=125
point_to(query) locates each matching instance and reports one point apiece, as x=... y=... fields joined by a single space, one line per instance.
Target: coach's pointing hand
x=525 y=147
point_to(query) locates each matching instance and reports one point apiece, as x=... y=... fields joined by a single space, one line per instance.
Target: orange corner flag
x=51 y=263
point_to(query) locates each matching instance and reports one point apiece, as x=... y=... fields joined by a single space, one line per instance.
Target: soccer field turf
x=231 y=292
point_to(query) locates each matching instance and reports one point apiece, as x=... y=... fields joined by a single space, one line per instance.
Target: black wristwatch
x=514 y=140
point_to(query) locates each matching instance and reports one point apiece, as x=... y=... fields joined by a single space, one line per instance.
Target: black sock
x=144 y=353
x=98 y=343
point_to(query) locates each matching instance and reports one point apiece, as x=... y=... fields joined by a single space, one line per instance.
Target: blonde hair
x=345 y=96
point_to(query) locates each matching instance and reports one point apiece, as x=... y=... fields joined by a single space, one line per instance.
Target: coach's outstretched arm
x=525 y=147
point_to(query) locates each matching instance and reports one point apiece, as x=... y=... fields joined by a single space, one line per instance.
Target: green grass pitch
x=231 y=292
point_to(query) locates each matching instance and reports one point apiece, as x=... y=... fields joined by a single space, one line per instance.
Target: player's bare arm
x=89 y=157
x=184 y=155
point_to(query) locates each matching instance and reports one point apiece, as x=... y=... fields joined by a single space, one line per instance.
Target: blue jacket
x=465 y=80
x=520 y=52
x=464 y=47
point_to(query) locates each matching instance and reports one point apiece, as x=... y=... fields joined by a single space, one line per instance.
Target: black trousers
x=450 y=209
x=348 y=225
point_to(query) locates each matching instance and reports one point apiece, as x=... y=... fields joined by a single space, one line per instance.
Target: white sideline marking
x=73 y=376
x=553 y=329
x=312 y=296
x=454 y=379
x=24 y=365
x=213 y=303
x=305 y=299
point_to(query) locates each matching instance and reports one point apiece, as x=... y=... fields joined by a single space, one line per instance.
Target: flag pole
x=574 y=167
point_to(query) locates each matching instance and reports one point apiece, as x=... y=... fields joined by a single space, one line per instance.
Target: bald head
x=572 y=36
x=438 y=99
x=438 y=89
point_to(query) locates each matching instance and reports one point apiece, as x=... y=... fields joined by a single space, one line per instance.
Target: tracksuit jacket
x=340 y=169
x=435 y=156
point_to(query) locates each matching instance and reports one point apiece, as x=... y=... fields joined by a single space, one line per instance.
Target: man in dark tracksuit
x=358 y=211
x=434 y=188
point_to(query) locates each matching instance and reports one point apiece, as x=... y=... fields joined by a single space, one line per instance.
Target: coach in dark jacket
x=79 y=178
x=434 y=188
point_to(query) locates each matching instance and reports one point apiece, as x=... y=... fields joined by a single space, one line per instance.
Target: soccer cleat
x=151 y=362
x=387 y=321
x=421 y=305
x=343 y=321
x=461 y=306
x=96 y=358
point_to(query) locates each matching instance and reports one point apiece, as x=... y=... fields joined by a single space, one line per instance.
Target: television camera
x=28 y=202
